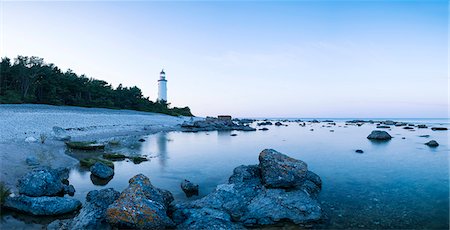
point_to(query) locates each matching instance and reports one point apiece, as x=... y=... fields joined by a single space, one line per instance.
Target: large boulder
x=42 y=206
x=101 y=170
x=43 y=182
x=281 y=171
x=379 y=135
x=246 y=201
x=141 y=206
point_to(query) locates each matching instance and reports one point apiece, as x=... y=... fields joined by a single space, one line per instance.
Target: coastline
x=22 y=121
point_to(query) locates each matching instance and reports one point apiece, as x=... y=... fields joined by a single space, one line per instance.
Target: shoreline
x=21 y=122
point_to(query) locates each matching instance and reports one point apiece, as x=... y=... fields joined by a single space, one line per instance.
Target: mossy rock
x=114 y=156
x=85 y=145
x=88 y=162
x=137 y=159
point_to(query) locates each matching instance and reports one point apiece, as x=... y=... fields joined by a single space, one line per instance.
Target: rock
x=422 y=126
x=189 y=188
x=69 y=189
x=432 y=143
x=265 y=123
x=141 y=140
x=379 y=135
x=264 y=129
x=88 y=162
x=42 y=206
x=359 y=151
x=30 y=140
x=213 y=124
x=141 y=206
x=99 y=181
x=41 y=182
x=278 y=123
x=408 y=127
x=32 y=161
x=233 y=135
x=439 y=128
x=383 y=127
x=388 y=122
x=60 y=134
x=281 y=171
x=101 y=170
x=85 y=145
x=246 y=201
x=311 y=130
x=426 y=136
x=114 y=156
x=93 y=214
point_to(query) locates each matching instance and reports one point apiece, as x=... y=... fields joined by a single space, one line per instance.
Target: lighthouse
x=162 y=87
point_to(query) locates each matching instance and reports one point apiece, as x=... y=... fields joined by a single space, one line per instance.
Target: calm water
x=398 y=184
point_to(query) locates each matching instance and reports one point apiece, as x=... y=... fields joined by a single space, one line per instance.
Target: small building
x=224 y=117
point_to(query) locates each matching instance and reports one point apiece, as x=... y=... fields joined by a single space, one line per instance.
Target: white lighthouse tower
x=162 y=87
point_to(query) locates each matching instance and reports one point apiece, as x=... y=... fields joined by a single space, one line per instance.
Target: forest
x=32 y=81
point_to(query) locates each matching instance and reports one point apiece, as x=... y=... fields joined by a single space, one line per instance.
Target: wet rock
x=245 y=201
x=42 y=206
x=359 y=151
x=281 y=171
x=213 y=124
x=41 y=182
x=99 y=181
x=32 y=161
x=60 y=134
x=101 y=170
x=383 y=127
x=264 y=129
x=233 y=135
x=189 y=188
x=265 y=123
x=141 y=140
x=422 y=126
x=85 y=145
x=278 y=123
x=69 y=189
x=379 y=135
x=408 y=127
x=426 y=136
x=432 y=143
x=389 y=122
x=141 y=206
x=439 y=128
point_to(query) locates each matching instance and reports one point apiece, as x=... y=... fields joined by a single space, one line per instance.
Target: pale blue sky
x=275 y=59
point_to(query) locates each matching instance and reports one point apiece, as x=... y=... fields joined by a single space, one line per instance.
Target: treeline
x=31 y=80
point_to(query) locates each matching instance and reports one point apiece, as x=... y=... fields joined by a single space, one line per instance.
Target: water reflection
x=161 y=144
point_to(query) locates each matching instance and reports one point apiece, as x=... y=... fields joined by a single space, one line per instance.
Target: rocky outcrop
x=212 y=124
x=189 y=188
x=265 y=123
x=101 y=170
x=379 y=135
x=141 y=206
x=42 y=206
x=43 y=181
x=256 y=195
x=281 y=171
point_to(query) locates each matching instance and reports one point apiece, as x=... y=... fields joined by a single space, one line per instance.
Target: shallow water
x=401 y=183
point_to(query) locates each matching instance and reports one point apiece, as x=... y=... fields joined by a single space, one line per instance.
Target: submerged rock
x=189 y=188
x=101 y=170
x=379 y=135
x=42 y=206
x=141 y=206
x=246 y=201
x=432 y=143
